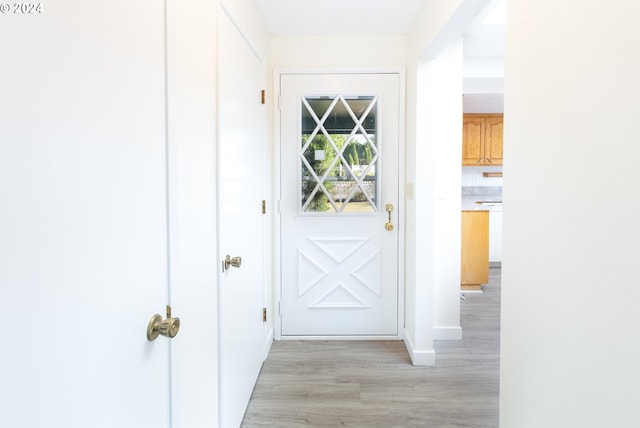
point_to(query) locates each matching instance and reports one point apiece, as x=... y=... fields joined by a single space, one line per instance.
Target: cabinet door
x=474 y=266
x=493 y=140
x=472 y=144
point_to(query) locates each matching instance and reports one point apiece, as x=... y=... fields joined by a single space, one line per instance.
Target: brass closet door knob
x=166 y=327
x=229 y=262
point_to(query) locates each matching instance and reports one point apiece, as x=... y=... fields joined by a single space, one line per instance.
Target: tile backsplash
x=482 y=191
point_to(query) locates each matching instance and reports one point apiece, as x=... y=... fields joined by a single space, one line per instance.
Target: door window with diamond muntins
x=339 y=155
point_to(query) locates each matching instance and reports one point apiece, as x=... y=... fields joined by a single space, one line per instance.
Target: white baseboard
x=339 y=338
x=420 y=357
x=447 y=333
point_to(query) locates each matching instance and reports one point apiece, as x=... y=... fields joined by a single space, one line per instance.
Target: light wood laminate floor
x=373 y=384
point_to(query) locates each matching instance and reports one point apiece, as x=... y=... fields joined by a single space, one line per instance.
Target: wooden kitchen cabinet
x=474 y=266
x=482 y=139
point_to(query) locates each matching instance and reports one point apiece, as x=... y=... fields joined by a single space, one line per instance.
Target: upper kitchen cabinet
x=482 y=139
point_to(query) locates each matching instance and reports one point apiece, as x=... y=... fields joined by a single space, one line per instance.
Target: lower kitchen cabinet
x=475 y=250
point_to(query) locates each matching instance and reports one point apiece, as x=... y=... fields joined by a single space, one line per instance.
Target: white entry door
x=339 y=204
x=242 y=140
x=83 y=223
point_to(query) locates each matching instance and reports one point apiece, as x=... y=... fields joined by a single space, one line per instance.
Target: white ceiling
x=485 y=36
x=336 y=17
x=483 y=42
x=483 y=83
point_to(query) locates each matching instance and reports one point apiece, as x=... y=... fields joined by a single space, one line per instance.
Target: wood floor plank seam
x=372 y=384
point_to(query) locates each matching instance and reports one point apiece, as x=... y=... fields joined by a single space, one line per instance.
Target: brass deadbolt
x=388 y=225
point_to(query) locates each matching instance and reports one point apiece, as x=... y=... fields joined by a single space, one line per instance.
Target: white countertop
x=469 y=203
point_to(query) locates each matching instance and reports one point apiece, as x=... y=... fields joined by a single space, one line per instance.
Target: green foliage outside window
x=356 y=154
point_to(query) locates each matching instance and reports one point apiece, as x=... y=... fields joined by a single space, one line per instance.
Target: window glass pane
x=339 y=154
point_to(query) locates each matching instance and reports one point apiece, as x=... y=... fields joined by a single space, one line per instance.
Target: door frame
x=277 y=230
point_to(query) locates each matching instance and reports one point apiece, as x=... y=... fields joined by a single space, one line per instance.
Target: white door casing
x=83 y=253
x=339 y=264
x=241 y=140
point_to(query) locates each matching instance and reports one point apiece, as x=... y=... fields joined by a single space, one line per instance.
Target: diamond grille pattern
x=339 y=154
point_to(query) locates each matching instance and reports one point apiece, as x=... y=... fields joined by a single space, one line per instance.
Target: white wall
x=570 y=355
x=433 y=258
x=419 y=215
x=249 y=22
x=429 y=35
x=338 y=52
x=440 y=23
x=472 y=176
x=483 y=67
x=442 y=120
x=482 y=102
x=434 y=192
x=419 y=231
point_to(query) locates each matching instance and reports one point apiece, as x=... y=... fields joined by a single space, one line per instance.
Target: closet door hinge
x=263 y=96
x=264 y=206
x=264 y=314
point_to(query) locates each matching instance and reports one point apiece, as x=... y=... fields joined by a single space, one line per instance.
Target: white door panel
x=83 y=247
x=242 y=137
x=339 y=170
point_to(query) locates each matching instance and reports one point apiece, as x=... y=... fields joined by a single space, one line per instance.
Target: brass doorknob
x=231 y=261
x=168 y=327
